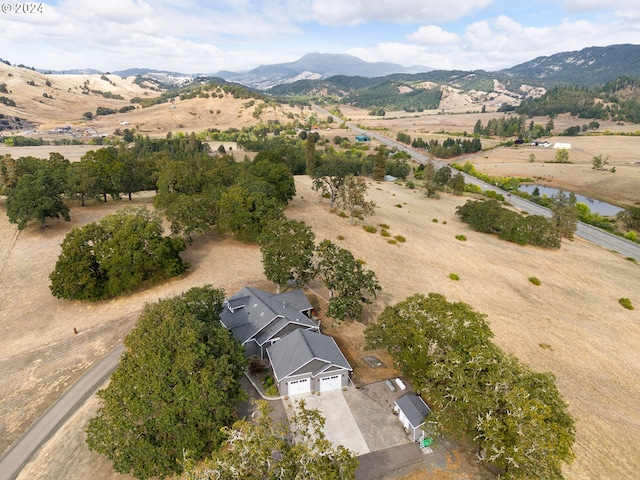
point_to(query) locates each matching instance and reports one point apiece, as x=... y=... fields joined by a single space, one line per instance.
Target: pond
x=595 y=206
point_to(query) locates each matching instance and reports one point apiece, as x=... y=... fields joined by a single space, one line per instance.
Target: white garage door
x=296 y=387
x=330 y=383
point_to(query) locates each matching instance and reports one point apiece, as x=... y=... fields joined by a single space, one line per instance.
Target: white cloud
x=496 y=43
x=591 y=5
x=354 y=12
x=432 y=35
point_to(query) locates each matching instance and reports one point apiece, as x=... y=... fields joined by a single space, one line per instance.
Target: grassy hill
x=48 y=101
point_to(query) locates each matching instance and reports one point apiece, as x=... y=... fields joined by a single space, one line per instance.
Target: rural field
x=571 y=325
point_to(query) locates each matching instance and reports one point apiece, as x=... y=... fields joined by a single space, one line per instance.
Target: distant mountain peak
x=316 y=66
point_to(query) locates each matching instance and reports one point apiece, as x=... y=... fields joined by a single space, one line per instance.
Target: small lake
x=596 y=206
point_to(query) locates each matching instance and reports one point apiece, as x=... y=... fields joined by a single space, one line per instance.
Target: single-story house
x=412 y=411
x=362 y=138
x=258 y=319
x=307 y=361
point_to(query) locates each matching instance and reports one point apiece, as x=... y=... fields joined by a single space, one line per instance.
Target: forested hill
x=618 y=100
x=590 y=66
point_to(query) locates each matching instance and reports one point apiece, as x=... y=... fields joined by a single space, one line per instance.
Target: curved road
x=12 y=462
x=587 y=232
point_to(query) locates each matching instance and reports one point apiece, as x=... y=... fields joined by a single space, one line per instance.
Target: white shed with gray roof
x=306 y=361
x=412 y=411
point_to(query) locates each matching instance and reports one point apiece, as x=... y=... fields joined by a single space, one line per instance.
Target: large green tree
x=380 y=164
x=287 y=248
x=263 y=449
x=565 y=213
x=176 y=387
x=517 y=417
x=37 y=194
x=278 y=175
x=115 y=255
x=349 y=283
x=329 y=176
x=244 y=210
x=352 y=196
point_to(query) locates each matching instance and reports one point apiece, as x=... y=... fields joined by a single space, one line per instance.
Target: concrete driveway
x=340 y=426
x=354 y=420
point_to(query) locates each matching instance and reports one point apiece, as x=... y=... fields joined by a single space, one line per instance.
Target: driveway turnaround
x=23 y=449
x=340 y=427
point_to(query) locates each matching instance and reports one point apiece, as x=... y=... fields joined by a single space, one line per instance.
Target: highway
x=592 y=234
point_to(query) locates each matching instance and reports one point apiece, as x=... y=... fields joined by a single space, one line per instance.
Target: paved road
x=24 y=448
x=587 y=232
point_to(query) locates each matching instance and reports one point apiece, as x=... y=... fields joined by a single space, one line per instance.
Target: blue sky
x=195 y=36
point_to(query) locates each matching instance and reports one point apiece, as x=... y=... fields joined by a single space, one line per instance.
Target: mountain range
x=589 y=66
x=316 y=66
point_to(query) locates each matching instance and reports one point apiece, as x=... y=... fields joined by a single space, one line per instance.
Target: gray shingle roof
x=300 y=348
x=250 y=311
x=413 y=408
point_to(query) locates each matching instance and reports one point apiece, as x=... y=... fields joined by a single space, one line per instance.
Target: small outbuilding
x=412 y=412
x=362 y=138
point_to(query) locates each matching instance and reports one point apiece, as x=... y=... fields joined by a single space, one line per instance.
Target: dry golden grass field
x=571 y=325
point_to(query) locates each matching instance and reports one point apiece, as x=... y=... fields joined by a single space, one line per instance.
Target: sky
x=197 y=36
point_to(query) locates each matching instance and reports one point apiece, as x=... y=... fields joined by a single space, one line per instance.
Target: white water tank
x=401 y=384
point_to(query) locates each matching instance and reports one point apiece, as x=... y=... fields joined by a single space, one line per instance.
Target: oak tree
x=287 y=248
x=263 y=449
x=176 y=387
x=352 y=197
x=115 y=255
x=349 y=283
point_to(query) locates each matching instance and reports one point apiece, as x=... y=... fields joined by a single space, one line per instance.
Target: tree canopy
x=477 y=391
x=115 y=255
x=565 y=213
x=349 y=283
x=287 y=248
x=352 y=197
x=34 y=188
x=176 y=387
x=488 y=216
x=262 y=449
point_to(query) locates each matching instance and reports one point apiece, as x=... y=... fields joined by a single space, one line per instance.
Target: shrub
x=462 y=238
x=384 y=225
x=400 y=238
x=435 y=220
x=392 y=241
x=626 y=303
x=411 y=185
x=340 y=237
x=385 y=233
x=370 y=228
x=398 y=205
x=535 y=280
x=454 y=277
x=343 y=214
